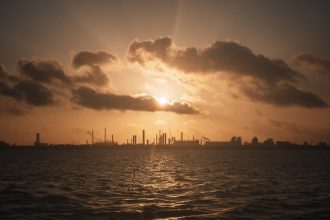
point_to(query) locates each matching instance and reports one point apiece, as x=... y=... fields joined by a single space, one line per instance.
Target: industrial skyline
x=162 y=139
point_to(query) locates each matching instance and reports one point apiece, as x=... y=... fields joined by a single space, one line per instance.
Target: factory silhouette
x=166 y=139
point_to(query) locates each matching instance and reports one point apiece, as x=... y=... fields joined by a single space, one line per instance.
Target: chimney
x=105 y=135
x=143 y=137
x=38 y=138
x=92 y=136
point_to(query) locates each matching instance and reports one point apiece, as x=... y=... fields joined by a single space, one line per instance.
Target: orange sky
x=222 y=69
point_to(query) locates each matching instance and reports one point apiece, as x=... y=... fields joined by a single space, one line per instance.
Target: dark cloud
x=283 y=95
x=29 y=91
x=258 y=77
x=221 y=56
x=33 y=86
x=4 y=76
x=139 y=50
x=320 y=64
x=2 y=72
x=46 y=71
x=43 y=70
x=93 y=60
x=92 y=99
x=94 y=76
x=87 y=58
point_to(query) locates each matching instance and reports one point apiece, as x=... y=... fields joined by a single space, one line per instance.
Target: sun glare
x=162 y=100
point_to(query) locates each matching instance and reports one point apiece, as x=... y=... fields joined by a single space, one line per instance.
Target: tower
x=143 y=137
x=92 y=136
x=37 y=139
x=105 y=135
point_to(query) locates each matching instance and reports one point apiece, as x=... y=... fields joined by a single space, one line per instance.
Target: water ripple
x=163 y=183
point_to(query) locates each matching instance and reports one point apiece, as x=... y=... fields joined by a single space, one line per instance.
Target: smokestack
x=105 y=135
x=143 y=137
x=38 y=138
x=165 y=138
x=156 y=139
x=92 y=136
x=181 y=136
x=112 y=138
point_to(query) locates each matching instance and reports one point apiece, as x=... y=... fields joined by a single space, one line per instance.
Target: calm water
x=169 y=183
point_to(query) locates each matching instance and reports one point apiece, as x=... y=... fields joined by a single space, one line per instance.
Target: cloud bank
x=258 y=77
x=87 y=58
x=320 y=64
x=90 y=98
x=38 y=79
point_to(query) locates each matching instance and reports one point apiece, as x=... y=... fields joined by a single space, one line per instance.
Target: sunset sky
x=206 y=68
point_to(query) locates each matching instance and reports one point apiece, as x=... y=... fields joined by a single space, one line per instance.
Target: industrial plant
x=161 y=139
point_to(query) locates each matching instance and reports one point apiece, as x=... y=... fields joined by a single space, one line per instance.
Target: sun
x=162 y=100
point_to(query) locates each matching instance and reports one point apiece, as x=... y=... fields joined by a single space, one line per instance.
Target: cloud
x=93 y=60
x=283 y=95
x=159 y=48
x=47 y=71
x=87 y=58
x=90 y=98
x=41 y=70
x=2 y=72
x=31 y=92
x=221 y=56
x=32 y=87
x=319 y=64
x=256 y=76
x=93 y=76
x=5 y=77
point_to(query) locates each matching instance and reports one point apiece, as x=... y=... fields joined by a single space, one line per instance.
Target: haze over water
x=191 y=182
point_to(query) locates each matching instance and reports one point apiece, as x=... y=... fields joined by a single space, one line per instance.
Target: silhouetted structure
x=38 y=143
x=269 y=142
x=161 y=139
x=255 y=141
x=143 y=137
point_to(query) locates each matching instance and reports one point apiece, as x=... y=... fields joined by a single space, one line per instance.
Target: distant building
x=269 y=142
x=285 y=144
x=37 y=142
x=186 y=143
x=234 y=142
x=255 y=141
